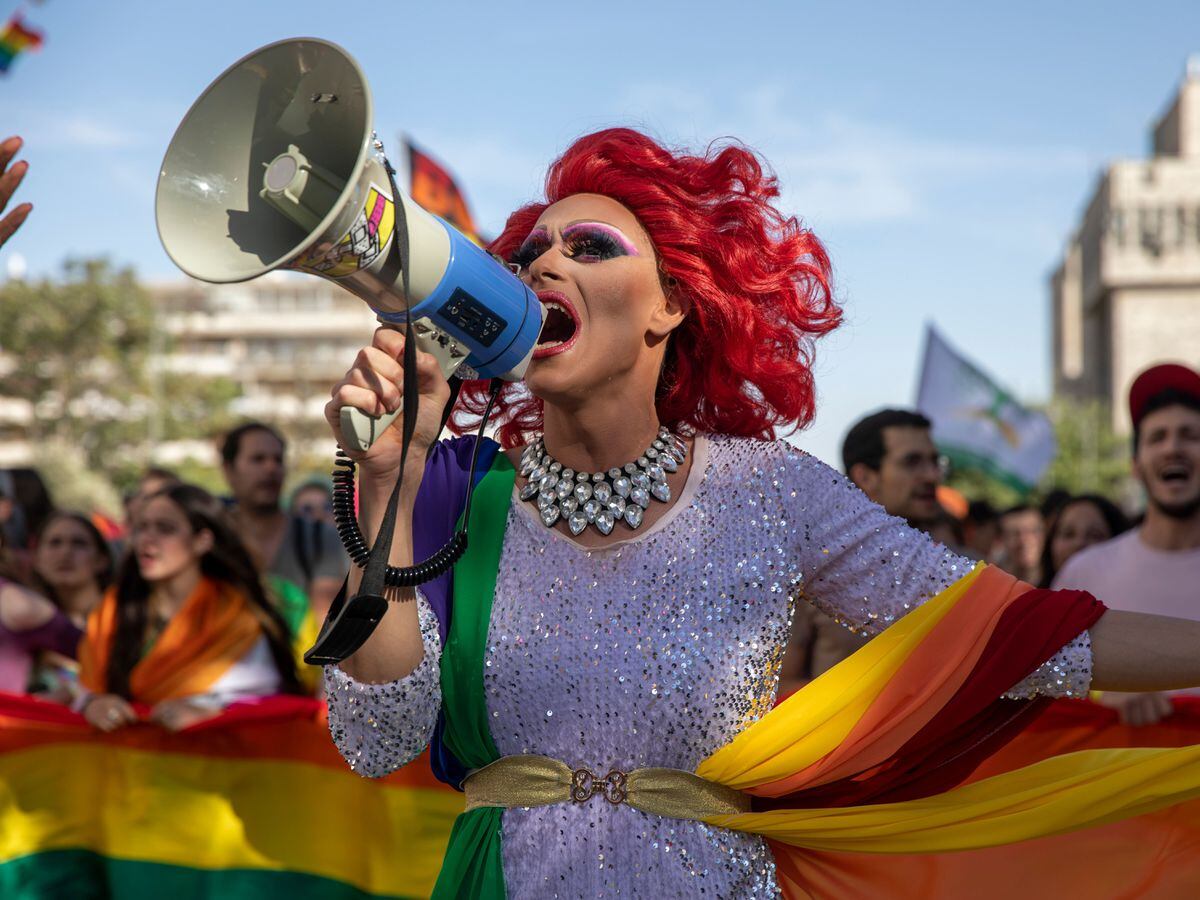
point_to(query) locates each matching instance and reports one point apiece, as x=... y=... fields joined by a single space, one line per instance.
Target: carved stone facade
x=1127 y=292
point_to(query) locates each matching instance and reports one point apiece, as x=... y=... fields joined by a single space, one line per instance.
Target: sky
x=943 y=151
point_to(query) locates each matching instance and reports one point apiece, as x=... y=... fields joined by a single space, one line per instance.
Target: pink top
x=1127 y=574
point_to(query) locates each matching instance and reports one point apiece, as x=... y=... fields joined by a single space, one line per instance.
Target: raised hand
x=10 y=178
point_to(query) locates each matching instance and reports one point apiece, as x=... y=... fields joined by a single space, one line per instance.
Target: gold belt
x=529 y=780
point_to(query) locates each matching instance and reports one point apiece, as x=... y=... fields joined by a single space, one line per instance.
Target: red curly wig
x=756 y=284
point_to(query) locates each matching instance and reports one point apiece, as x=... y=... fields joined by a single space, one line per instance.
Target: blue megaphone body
x=483 y=306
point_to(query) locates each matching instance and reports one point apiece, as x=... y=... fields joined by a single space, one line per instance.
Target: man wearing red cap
x=1154 y=568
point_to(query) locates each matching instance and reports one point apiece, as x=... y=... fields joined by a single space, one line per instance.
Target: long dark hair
x=228 y=562
x=1116 y=521
x=103 y=578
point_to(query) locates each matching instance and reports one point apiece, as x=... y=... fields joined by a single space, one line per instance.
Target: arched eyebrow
x=540 y=231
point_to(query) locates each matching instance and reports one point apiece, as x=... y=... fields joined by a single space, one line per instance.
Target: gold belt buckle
x=585 y=784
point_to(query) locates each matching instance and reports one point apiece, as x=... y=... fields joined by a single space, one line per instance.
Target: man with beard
x=306 y=553
x=1155 y=567
x=891 y=457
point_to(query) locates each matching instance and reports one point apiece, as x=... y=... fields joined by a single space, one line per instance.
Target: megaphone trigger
x=359 y=429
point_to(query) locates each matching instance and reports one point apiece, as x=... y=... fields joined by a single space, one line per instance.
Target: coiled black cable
x=352 y=537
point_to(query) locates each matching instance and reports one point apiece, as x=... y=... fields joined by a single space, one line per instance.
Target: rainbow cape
x=871 y=757
x=255 y=803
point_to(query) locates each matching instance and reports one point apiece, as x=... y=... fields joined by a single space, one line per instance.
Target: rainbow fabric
x=255 y=803
x=813 y=760
x=16 y=37
x=1155 y=855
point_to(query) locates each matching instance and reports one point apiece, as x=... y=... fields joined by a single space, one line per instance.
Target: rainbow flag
x=254 y=803
x=16 y=37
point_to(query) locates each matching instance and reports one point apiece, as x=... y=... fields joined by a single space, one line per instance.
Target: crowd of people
x=80 y=613
x=197 y=602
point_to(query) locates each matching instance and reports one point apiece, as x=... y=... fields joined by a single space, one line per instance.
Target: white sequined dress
x=658 y=650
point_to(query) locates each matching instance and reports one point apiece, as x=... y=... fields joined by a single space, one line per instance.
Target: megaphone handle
x=360 y=430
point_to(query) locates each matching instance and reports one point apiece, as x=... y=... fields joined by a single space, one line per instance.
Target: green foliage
x=977 y=485
x=205 y=474
x=82 y=349
x=1091 y=457
x=77 y=349
x=75 y=485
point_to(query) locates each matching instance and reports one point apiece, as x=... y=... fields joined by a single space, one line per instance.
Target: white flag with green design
x=979 y=425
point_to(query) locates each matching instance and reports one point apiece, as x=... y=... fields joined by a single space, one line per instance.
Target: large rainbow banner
x=255 y=803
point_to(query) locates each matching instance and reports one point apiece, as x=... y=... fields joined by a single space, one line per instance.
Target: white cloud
x=837 y=168
x=86 y=132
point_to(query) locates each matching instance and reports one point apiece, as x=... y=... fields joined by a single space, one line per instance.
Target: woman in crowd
x=312 y=501
x=72 y=567
x=1080 y=522
x=187 y=628
x=30 y=625
x=71 y=564
x=636 y=548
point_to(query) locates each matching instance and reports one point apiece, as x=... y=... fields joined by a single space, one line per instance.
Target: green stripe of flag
x=86 y=875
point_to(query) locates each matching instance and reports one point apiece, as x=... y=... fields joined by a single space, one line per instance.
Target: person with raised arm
x=598 y=673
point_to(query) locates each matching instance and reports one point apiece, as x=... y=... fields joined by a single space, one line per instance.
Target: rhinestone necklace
x=600 y=499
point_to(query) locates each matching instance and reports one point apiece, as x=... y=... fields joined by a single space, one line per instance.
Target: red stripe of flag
x=18 y=36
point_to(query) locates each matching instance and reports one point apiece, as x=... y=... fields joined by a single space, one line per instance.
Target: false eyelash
x=589 y=242
x=525 y=254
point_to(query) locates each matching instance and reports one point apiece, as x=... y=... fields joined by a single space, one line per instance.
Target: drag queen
x=599 y=673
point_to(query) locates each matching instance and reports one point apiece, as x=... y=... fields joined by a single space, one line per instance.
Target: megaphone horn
x=276 y=166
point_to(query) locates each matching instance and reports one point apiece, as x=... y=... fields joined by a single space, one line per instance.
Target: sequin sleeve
x=379 y=727
x=1068 y=673
x=859 y=565
x=866 y=569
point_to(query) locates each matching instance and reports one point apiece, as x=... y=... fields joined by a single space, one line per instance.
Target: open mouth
x=1175 y=474
x=560 y=327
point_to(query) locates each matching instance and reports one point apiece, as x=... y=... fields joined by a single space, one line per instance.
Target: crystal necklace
x=600 y=499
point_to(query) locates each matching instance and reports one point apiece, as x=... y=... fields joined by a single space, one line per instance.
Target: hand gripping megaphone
x=276 y=166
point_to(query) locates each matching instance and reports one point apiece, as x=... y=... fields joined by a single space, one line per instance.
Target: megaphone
x=276 y=166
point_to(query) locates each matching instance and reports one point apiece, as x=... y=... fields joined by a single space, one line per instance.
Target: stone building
x=284 y=338
x=1127 y=292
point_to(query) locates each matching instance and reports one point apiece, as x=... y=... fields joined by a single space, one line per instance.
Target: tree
x=1091 y=458
x=81 y=351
